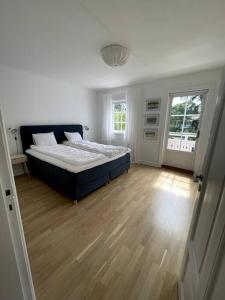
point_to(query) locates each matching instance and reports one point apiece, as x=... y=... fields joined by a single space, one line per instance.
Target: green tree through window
x=119 y=116
x=184 y=122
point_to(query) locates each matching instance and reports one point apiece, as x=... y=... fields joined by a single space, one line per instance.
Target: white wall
x=29 y=99
x=151 y=152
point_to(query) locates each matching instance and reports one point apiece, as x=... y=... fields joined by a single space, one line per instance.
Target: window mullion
x=117 y=117
x=184 y=118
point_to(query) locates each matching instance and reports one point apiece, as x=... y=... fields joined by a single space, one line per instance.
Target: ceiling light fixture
x=115 y=55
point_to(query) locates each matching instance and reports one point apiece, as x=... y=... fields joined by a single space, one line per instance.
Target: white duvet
x=73 y=156
x=107 y=150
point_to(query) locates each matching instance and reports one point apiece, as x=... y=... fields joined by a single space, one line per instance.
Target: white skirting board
x=149 y=163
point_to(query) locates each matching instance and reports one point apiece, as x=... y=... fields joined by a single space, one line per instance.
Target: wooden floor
x=124 y=241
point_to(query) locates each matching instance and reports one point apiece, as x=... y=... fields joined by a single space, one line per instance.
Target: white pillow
x=73 y=136
x=44 y=139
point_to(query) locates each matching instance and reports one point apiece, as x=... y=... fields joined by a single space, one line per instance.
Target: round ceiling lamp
x=115 y=55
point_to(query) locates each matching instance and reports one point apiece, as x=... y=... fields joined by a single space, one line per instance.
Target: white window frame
x=118 y=131
x=181 y=94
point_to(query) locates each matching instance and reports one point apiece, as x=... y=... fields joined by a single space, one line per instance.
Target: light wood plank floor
x=124 y=241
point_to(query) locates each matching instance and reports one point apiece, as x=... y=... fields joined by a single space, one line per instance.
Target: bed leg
x=127 y=170
x=75 y=202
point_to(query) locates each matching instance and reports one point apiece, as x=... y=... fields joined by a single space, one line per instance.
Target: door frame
x=13 y=216
x=203 y=92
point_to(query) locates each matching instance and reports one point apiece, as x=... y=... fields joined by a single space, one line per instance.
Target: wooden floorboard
x=124 y=241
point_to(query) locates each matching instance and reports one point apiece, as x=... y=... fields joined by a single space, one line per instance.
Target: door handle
x=7 y=192
x=200 y=177
x=198 y=134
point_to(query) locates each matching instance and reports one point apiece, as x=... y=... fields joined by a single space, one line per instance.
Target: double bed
x=74 y=181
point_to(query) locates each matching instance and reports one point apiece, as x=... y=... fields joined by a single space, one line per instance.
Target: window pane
x=183 y=129
x=123 y=106
x=191 y=124
x=194 y=105
x=117 y=107
x=176 y=124
x=178 y=105
x=117 y=117
x=117 y=126
x=188 y=143
x=123 y=117
x=174 y=141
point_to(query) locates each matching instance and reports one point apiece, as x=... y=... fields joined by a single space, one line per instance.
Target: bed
x=73 y=185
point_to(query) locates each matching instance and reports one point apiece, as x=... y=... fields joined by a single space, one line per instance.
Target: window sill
x=184 y=152
x=118 y=132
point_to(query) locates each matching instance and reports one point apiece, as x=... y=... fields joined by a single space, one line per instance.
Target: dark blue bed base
x=73 y=185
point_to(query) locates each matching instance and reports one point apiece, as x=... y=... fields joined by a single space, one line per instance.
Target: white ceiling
x=62 y=39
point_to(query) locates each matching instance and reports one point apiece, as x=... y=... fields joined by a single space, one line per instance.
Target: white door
x=15 y=276
x=205 y=246
x=10 y=287
x=183 y=129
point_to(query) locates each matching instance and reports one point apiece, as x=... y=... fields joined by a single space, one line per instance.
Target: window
x=119 y=116
x=184 y=122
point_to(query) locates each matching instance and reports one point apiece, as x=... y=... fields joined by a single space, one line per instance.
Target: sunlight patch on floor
x=176 y=184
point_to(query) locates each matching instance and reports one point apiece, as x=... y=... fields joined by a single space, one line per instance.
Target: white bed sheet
x=69 y=167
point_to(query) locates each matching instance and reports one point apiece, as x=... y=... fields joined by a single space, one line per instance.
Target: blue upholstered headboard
x=26 y=132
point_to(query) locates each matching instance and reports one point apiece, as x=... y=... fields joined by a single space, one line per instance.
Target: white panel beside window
x=119 y=116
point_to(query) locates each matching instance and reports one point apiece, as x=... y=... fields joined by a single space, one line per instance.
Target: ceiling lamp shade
x=115 y=55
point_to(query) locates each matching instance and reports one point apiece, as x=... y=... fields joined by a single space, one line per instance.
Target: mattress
x=69 y=155
x=107 y=150
x=52 y=159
